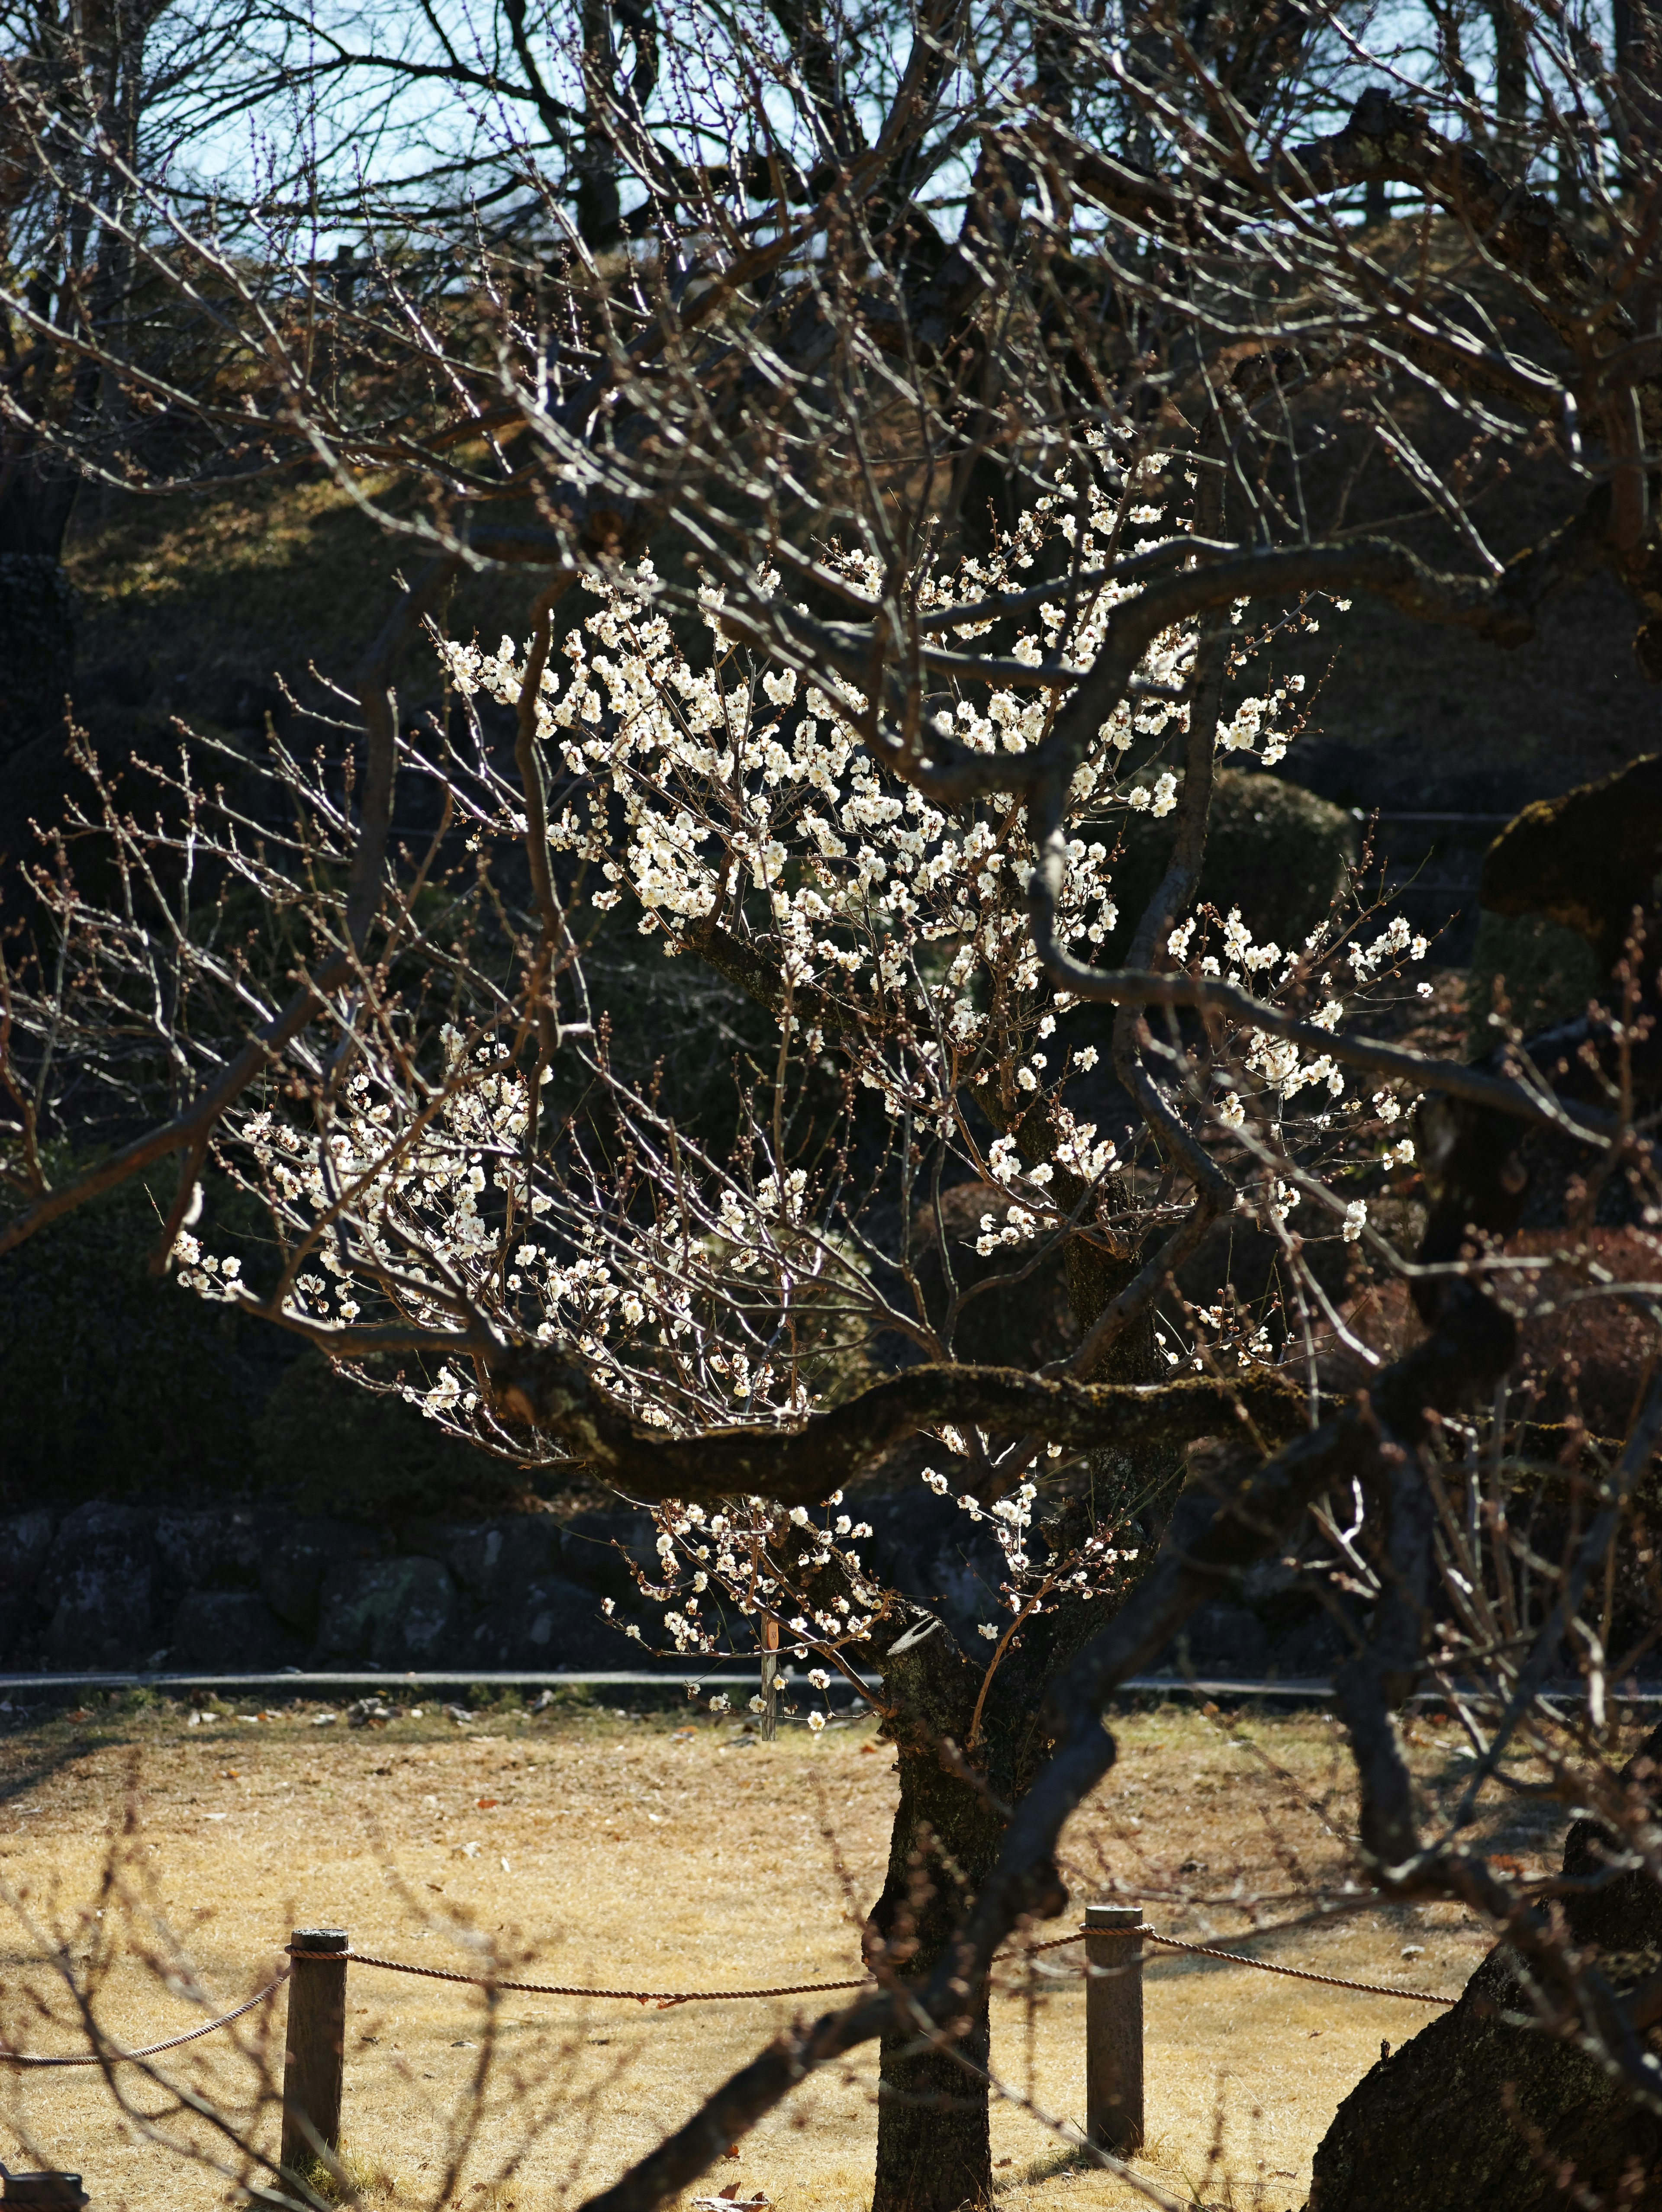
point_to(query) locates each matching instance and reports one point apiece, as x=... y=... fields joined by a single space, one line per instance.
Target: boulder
x=486 y=1559
x=1475 y=2115
x=98 y=1581
x=397 y=1612
x=25 y=1540
x=292 y=1569
x=553 y=1622
x=233 y=1629
x=214 y=1551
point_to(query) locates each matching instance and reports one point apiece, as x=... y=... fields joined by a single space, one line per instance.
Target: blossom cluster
x=1088 y=1570
x=720 y=791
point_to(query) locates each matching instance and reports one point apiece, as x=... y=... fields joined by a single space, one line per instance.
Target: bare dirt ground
x=659 y=1852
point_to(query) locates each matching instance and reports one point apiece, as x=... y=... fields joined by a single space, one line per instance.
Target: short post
x=769 y=1680
x=1113 y=2029
x=45 y=2192
x=314 y=2061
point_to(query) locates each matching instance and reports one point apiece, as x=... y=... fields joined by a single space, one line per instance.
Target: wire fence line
x=665 y=1999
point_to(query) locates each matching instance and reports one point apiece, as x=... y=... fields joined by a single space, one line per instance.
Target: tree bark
x=934 y=2145
x=1477 y=2114
x=934 y=2151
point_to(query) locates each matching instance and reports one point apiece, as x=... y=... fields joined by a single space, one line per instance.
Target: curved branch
x=539 y=1385
x=759 y=979
x=1125 y=986
x=1384 y=139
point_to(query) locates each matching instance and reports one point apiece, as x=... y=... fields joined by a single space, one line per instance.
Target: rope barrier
x=150 y=2049
x=665 y=1999
x=668 y=1998
x=1258 y=1966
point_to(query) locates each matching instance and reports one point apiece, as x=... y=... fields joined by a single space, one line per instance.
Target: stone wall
x=255 y=1589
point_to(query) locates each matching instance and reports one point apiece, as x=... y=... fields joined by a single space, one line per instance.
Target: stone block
x=98 y=1581
x=221 y=1550
x=292 y=1569
x=399 y=1612
x=553 y=1622
x=233 y=1629
x=487 y=1559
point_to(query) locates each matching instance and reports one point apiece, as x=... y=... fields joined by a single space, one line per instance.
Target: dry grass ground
x=654 y=1852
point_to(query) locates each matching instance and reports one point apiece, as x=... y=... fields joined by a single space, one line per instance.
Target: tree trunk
x=1477 y=2115
x=934 y=2148
x=933 y=2152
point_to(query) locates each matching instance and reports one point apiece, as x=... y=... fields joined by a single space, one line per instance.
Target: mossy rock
x=1273 y=849
x=1585 y=860
x=1548 y=974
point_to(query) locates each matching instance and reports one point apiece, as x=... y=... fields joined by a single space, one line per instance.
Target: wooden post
x=769 y=1680
x=1113 y=2029
x=315 y=2058
x=45 y=2192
